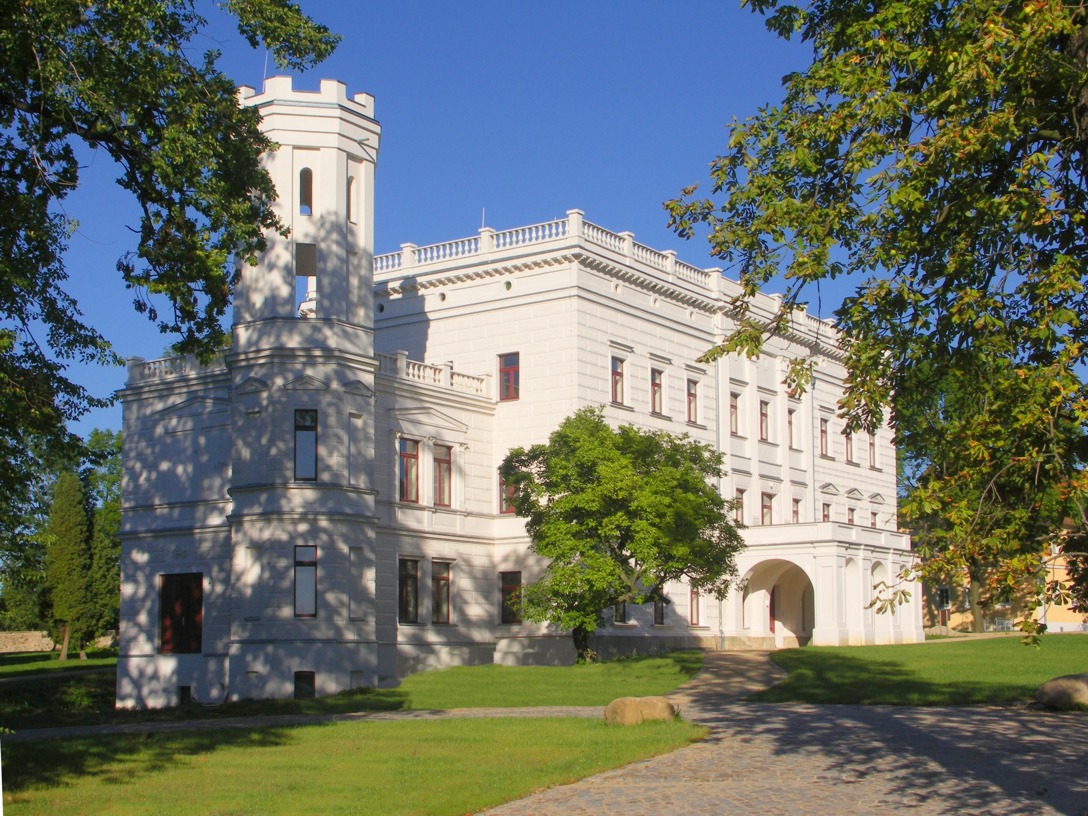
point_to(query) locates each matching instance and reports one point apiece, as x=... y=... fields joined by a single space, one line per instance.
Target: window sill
x=852 y=464
x=698 y=425
x=827 y=458
x=659 y=415
x=621 y=406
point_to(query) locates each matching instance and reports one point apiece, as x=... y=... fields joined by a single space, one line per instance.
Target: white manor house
x=321 y=508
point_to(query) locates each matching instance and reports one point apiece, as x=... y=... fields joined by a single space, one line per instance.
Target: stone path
x=805 y=759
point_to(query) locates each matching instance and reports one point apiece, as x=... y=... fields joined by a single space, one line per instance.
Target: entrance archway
x=779 y=603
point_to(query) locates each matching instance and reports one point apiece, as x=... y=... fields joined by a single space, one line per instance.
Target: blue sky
x=508 y=112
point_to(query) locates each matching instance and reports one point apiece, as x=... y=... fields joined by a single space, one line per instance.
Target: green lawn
x=419 y=767
x=999 y=670
x=89 y=699
x=17 y=664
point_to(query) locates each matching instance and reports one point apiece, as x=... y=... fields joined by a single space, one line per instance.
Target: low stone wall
x=25 y=642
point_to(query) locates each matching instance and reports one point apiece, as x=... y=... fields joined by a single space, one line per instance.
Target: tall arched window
x=306 y=191
x=351 y=199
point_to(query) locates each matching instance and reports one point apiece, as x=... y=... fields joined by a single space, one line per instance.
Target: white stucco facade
x=321 y=508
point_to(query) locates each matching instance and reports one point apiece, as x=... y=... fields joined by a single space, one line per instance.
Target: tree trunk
x=974 y=592
x=64 y=643
x=581 y=645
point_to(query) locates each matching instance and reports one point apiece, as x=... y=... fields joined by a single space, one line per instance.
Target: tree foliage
x=68 y=561
x=934 y=152
x=123 y=79
x=619 y=513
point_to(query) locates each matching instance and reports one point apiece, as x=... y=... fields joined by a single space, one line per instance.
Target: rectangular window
x=796 y=513
x=693 y=401
x=305 y=445
x=619 y=613
x=305 y=582
x=440 y=592
x=408 y=474
x=825 y=513
x=617 y=380
x=659 y=612
x=509 y=376
x=872 y=519
x=443 y=475
x=657 y=384
x=849 y=440
x=509 y=602
x=738 y=506
x=823 y=437
x=694 y=613
x=181 y=613
x=872 y=451
x=506 y=497
x=764 y=420
x=734 y=414
x=408 y=591
x=850 y=515
x=305 y=685
x=789 y=429
x=766 y=508
x=944 y=597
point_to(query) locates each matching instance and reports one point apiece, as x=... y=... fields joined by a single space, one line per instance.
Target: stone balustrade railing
x=141 y=370
x=443 y=376
x=570 y=229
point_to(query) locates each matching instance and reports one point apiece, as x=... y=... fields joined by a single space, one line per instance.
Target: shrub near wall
x=25 y=642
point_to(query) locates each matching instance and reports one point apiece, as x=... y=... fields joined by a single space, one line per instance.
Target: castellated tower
x=302 y=376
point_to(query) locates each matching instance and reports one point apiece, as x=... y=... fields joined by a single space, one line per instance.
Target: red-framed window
x=849 y=440
x=872 y=451
x=764 y=420
x=738 y=506
x=695 y=610
x=440 y=592
x=657 y=385
x=443 y=475
x=692 y=392
x=659 y=611
x=823 y=437
x=181 y=613
x=408 y=471
x=796 y=512
x=825 y=513
x=617 y=380
x=509 y=597
x=509 y=376
x=766 y=508
x=734 y=414
x=506 y=497
x=789 y=428
x=408 y=590
x=850 y=513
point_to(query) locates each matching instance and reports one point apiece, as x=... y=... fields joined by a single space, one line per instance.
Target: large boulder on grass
x=634 y=710
x=1064 y=693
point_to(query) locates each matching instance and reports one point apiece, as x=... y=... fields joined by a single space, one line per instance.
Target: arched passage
x=779 y=603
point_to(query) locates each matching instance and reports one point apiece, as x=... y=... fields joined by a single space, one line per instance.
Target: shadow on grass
x=817 y=676
x=89 y=700
x=122 y=758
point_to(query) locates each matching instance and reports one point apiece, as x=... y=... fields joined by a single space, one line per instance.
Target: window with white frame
x=766 y=508
x=734 y=414
x=693 y=400
x=795 y=513
x=617 y=380
x=823 y=437
x=408 y=590
x=305 y=445
x=657 y=388
x=408 y=471
x=695 y=612
x=440 y=591
x=443 y=475
x=764 y=420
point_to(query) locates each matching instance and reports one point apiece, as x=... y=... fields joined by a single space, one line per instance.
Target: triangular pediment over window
x=359 y=388
x=829 y=489
x=876 y=498
x=194 y=406
x=855 y=494
x=252 y=385
x=306 y=383
x=424 y=421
